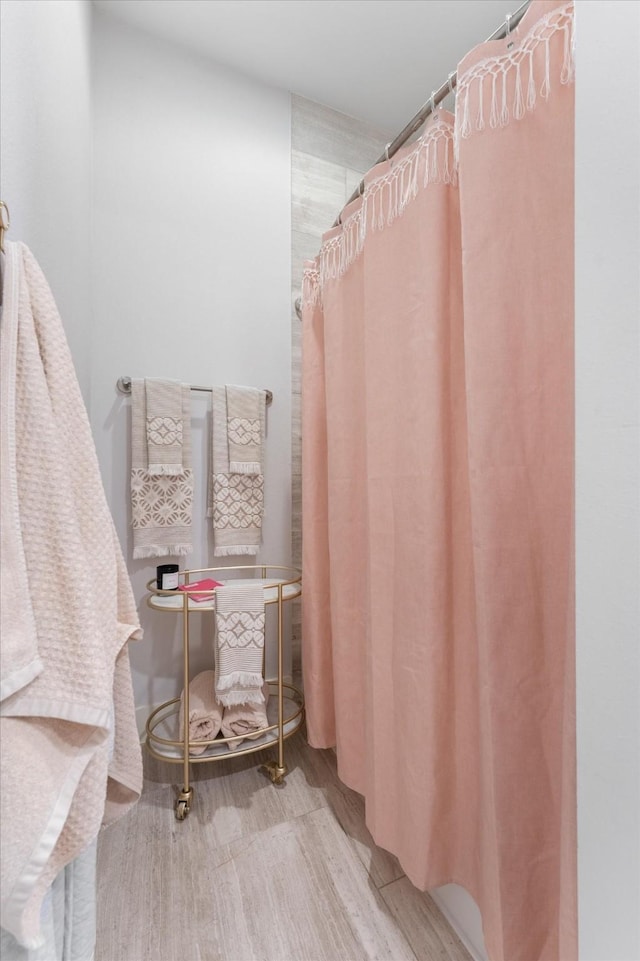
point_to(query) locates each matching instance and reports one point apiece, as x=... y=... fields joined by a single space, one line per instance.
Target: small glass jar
x=167 y=577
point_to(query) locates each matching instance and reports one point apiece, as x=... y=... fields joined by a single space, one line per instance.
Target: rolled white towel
x=245 y=719
x=205 y=714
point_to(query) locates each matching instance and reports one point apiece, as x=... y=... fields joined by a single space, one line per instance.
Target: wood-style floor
x=259 y=873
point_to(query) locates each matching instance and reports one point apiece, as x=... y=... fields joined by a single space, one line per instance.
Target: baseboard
x=463 y=915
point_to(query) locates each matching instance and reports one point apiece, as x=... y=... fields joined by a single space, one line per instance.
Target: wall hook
x=5 y=223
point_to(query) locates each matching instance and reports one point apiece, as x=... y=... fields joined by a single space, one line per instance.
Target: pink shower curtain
x=438 y=629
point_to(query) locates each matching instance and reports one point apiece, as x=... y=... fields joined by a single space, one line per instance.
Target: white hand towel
x=236 y=500
x=244 y=429
x=246 y=719
x=205 y=714
x=239 y=644
x=161 y=504
x=164 y=424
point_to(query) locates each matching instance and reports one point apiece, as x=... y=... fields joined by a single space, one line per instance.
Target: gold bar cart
x=281 y=585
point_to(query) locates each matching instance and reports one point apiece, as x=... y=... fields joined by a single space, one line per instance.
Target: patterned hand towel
x=244 y=433
x=245 y=719
x=165 y=428
x=236 y=501
x=205 y=714
x=161 y=504
x=239 y=644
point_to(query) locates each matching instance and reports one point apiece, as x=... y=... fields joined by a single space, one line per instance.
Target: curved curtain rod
x=436 y=97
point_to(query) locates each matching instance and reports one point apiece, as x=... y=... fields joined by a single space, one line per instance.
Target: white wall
x=45 y=151
x=191 y=255
x=607 y=477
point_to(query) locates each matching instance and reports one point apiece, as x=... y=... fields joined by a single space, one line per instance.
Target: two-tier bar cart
x=285 y=711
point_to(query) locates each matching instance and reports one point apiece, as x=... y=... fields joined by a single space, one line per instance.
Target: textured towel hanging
x=239 y=644
x=236 y=500
x=244 y=434
x=161 y=503
x=164 y=427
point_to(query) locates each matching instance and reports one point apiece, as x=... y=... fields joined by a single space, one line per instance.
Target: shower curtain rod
x=505 y=28
x=437 y=96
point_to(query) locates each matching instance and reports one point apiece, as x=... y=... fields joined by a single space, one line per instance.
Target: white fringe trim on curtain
x=310 y=285
x=490 y=77
x=386 y=197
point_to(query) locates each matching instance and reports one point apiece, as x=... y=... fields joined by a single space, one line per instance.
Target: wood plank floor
x=259 y=873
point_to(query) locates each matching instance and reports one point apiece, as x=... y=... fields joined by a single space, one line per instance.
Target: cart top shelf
x=289 y=586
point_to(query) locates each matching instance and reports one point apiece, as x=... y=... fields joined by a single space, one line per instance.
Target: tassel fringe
x=310 y=286
x=227 y=692
x=434 y=157
x=512 y=64
x=239 y=679
x=385 y=199
x=178 y=549
x=236 y=550
x=235 y=698
x=245 y=467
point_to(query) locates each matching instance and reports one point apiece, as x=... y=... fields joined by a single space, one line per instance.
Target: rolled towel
x=245 y=719
x=205 y=714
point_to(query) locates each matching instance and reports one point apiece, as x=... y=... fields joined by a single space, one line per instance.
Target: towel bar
x=124 y=386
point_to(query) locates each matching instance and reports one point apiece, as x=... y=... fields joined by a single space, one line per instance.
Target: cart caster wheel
x=276 y=773
x=183 y=804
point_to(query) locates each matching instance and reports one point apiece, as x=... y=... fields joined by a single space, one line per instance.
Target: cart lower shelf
x=163 y=741
x=163 y=727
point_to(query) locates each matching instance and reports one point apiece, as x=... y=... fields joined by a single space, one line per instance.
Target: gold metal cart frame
x=279 y=589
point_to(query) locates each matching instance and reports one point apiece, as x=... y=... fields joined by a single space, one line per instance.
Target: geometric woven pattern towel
x=243 y=429
x=236 y=500
x=164 y=423
x=161 y=503
x=239 y=644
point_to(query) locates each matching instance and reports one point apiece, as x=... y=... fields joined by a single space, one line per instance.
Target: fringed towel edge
x=164 y=551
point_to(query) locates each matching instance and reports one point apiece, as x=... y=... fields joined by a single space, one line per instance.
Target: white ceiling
x=377 y=60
